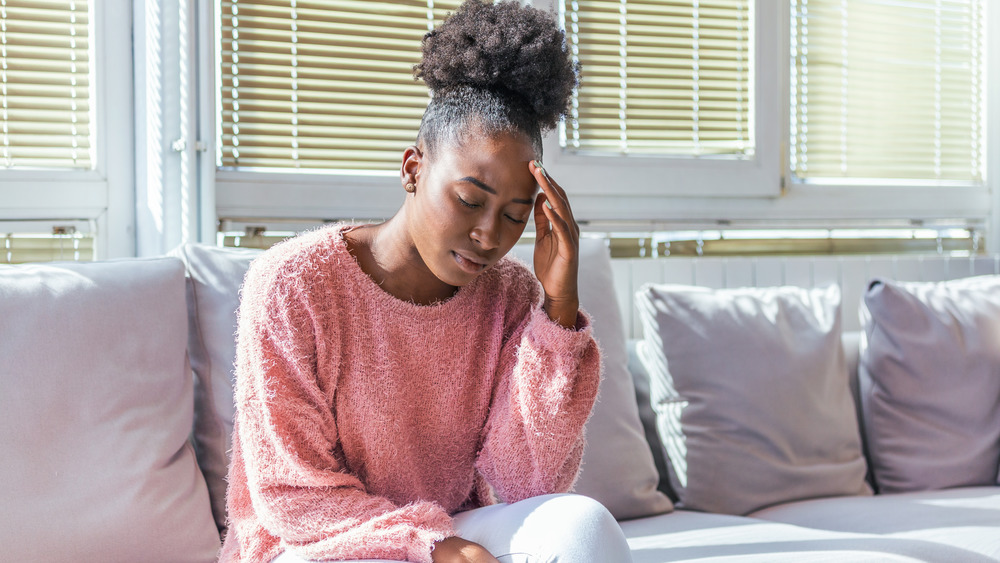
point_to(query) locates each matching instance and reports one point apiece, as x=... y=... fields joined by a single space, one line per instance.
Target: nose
x=487 y=233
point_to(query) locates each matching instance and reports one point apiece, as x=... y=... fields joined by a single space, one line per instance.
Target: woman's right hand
x=457 y=550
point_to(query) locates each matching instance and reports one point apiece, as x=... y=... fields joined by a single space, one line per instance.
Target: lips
x=469 y=264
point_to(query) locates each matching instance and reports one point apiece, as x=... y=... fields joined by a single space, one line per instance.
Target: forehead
x=482 y=148
x=498 y=160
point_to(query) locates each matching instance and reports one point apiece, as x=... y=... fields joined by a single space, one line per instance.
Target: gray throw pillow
x=930 y=383
x=751 y=394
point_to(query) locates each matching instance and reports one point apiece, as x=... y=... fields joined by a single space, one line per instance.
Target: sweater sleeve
x=548 y=383
x=298 y=485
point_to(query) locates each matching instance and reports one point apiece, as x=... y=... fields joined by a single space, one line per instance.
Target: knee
x=580 y=529
x=580 y=518
x=578 y=511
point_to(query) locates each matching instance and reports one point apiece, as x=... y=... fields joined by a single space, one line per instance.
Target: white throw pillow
x=95 y=416
x=750 y=389
x=618 y=467
x=930 y=381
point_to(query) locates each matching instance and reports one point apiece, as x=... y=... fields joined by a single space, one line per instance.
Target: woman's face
x=471 y=204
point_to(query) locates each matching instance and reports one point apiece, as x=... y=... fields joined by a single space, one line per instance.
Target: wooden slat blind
x=322 y=84
x=666 y=77
x=45 y=84
x=888 y=89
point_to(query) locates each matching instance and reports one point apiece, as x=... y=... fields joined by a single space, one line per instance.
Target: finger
x=557 y=195
x=557 y=201
x=545 y=181
x=565 y=215
x=555 y=185
x=559 y=225
x=542 y=226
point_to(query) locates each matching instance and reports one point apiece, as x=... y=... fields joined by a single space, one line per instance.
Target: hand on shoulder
x=458 y=550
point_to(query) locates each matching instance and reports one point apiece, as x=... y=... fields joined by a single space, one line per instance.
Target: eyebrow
x=481 y=185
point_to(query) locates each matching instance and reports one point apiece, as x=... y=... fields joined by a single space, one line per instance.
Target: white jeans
x=547 y=529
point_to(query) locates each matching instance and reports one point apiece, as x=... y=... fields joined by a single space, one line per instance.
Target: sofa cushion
x=618 y=467
x=640 y=378
x=930 y=376
x=214 y=277
x=751 y=393
x=694 y=536
x=95 y=416
x=967 y=518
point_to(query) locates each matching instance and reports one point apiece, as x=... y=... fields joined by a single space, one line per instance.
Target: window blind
x=19 y=248
x=45 y=84
x=888 y=89
x=322 y=84
x=668 y=77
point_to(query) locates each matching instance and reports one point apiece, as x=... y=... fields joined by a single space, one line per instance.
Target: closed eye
x=467 y=204
x=518 y=221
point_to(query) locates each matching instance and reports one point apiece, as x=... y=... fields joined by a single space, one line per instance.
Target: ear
x=412 y=163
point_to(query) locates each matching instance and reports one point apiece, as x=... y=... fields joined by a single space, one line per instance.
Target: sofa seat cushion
x=968 y=518
x=696 y=536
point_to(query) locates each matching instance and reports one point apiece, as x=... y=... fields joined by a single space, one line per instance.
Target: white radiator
x=852 y=273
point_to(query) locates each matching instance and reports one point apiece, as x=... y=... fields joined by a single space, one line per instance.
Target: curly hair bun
x=513 y=50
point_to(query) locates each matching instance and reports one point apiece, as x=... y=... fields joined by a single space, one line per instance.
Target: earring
x=410 y=187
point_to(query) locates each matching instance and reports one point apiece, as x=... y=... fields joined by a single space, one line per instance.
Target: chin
x=456 y=279
x=449 y=272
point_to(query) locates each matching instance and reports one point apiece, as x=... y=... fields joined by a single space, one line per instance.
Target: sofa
x=116 y=407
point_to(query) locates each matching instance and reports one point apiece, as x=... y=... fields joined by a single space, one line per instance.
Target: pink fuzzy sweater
x=364 y=422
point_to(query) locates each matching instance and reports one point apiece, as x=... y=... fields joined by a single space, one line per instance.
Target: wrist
x=562 y=311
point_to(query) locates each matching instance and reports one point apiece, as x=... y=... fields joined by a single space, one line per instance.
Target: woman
x=395 y=381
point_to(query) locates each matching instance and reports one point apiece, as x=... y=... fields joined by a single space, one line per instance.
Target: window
x=27 y=242
x=689 y=112
x=321 y=85
x=661 y=77
x=900 y=101
x=677 y=98
x=45 y=84
x=66 y=160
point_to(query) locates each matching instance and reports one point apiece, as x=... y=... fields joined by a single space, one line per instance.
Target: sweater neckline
x=370 y=287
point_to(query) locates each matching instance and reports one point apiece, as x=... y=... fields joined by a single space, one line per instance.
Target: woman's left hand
x=557 y=249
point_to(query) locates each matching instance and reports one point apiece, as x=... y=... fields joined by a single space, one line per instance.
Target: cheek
x=513 y=233
x=438 y=214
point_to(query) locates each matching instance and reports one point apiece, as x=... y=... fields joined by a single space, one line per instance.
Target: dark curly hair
x=503 y=67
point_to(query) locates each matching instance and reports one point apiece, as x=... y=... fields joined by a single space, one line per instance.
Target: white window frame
x=103 y=196
x=643 y=189
x=993 y=125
